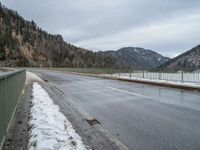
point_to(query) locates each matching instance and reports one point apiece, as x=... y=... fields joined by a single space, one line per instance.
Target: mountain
x=189 y=59
x=138 y=57
x=23 y=43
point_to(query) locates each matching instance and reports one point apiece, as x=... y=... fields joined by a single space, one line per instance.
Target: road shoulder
x=94 y=135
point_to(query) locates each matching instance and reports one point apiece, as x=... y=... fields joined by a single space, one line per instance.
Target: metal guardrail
x=190 y=75
x=180 y=75
x=11 y=86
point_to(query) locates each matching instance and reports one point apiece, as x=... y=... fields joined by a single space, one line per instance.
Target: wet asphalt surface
x=142 y=117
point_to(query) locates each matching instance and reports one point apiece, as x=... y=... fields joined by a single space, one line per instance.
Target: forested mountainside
x=138 y=57
x=23 y=43
x=189 y=59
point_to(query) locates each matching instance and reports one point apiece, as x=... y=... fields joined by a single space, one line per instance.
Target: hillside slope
x=23 y=43
x=189 y=59
x=138 y=57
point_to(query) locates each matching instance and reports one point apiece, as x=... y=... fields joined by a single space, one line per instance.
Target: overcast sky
x=165 y=26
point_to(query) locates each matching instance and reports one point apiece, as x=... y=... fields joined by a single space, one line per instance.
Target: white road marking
x=132 y=93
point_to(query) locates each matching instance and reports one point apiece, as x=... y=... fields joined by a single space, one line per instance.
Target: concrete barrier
x=11 y=87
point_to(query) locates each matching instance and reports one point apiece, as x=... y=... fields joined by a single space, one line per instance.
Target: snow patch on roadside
x=32 y=77
x=50 y=129
x=188 y=84
x=163 y=81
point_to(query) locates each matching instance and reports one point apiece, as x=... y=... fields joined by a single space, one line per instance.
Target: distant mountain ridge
x=189 y=59
x=138 y=57
x=23 y=43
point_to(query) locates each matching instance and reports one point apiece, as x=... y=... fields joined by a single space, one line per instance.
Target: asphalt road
x=142 y=117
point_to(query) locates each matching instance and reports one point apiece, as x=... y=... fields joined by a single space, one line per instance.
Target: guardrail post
x=6 y=106
x=143 y=74
x=159 y=75
x=182 y=75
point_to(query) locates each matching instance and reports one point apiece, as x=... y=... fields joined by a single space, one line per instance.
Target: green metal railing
x=190 y=75
x=11 y=86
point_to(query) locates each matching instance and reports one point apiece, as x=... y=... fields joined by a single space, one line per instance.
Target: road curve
x=142 y=117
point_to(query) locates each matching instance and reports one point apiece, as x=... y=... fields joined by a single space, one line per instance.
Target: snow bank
x=32 y=77
x=188 y=84
x=50 y=129
x=193 y=77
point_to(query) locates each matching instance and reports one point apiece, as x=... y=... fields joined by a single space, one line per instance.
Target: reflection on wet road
x=143 y=117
